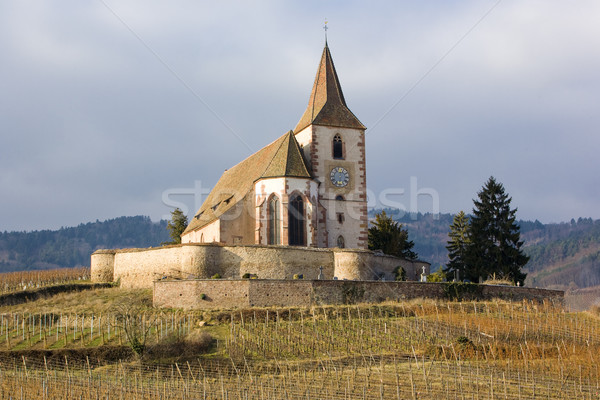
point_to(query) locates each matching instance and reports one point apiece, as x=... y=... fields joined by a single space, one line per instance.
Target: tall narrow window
x=296 y=222
x=341 y=243
x=274 y=222
x=338 y=147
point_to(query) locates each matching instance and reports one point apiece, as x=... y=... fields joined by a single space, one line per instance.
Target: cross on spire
x=325 y=29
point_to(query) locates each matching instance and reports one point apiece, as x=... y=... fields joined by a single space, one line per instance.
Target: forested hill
x=562 y=255
x=71 y=247
x=565 y=255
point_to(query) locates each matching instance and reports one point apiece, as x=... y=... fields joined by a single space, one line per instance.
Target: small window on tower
x=339 y=197
x=340 y=218
x=341 y=243
x=338 y=147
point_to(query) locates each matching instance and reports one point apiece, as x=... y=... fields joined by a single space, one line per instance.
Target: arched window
x=338 y=147
x=339 y=197
x=296 y=222
x=202 y=238
x=341 y=243
x=274 y=222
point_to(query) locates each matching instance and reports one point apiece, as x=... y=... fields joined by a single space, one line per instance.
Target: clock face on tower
x=339 y=176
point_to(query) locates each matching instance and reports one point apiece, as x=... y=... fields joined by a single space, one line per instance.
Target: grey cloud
x=92 y=125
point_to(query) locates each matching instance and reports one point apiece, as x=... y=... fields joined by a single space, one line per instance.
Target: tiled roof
x=327 y=105
x=288 y=160
x=282 y=158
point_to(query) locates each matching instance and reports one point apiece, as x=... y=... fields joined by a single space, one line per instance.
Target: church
x=297 y=208
x=287 y=226
x=307 y=188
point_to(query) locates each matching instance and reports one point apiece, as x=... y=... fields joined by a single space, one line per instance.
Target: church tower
x=333 y=143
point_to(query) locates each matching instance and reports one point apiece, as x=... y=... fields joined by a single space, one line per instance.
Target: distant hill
x=72 y=247
x=563 y=255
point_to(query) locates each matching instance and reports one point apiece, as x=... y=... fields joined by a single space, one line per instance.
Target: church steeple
x=327 y=105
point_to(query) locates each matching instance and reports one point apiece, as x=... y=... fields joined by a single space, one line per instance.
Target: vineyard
x=411 y=350
x=23 y=280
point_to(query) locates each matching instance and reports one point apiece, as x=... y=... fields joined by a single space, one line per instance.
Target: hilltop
x=78 y=345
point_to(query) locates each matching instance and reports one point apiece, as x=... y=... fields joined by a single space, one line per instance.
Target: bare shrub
x=174 y=346
x=130 y=315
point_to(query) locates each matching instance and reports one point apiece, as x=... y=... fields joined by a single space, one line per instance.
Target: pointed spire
x=327 y=105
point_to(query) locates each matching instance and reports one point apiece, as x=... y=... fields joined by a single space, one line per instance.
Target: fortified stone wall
x=364 y=265
x=188 y=295
x=270 y=292
x=103 y=266
x=139 y=268
x=210 y=294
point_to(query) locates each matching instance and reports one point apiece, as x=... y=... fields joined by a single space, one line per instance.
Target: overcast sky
x=111 y=108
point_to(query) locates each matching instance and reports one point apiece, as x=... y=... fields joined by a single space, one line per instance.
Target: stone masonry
x=140 y=268
x=213 y=294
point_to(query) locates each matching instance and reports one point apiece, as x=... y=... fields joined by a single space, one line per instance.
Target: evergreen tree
x=495 y=238
x=457 y=246
x=176 y=226
x=388 y=236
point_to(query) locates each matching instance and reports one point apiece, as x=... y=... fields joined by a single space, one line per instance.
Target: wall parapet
x=211 y=294
x=139 y=268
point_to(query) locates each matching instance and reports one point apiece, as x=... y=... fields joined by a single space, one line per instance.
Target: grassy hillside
x=75 y=345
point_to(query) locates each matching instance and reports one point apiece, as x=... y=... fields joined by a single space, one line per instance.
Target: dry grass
x=90 y=301
x=187 y=347
x=497 y=281
x=431 y=350
x=420 y=349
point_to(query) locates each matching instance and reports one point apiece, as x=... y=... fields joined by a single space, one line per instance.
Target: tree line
x=486 y=244
x=560 y=254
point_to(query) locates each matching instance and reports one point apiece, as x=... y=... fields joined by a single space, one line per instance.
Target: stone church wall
x=238 y=224
x=139 y=268
x=211 y=294
x=208 y=234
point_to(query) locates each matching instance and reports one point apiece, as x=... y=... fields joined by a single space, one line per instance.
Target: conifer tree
x=494 y=238
x=388 y=236
x=176 y=226
x=457 y=246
